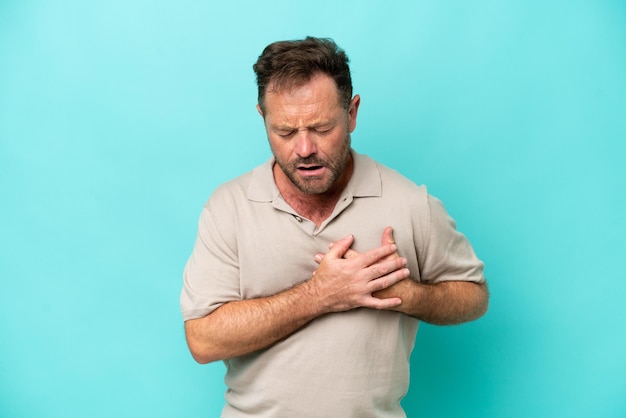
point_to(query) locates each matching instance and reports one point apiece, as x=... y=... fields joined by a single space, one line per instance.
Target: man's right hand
x=341 y=284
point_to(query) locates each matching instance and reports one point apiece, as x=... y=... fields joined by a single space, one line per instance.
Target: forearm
x=444 y=303
x=241 y=327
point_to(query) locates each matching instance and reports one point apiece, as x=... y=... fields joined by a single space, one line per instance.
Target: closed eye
x=323 y=129
x=285 y=134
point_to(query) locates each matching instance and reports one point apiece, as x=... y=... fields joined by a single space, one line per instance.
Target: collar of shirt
x=365 y=181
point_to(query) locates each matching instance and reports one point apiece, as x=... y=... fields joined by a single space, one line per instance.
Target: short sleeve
x=447 y=255
x=211 y=275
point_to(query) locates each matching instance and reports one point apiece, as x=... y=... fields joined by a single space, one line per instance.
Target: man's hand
x=398 y=288
x=347 y=279
x=446 y=302
x=394 y=290
x=339 y=284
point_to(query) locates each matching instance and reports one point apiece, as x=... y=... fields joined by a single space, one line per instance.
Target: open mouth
x=311 y=170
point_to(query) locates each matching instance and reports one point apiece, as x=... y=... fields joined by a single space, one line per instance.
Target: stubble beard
x=315 y=185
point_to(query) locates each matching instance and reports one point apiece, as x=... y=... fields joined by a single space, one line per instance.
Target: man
x=310 y=273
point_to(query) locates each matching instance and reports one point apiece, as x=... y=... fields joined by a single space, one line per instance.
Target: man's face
x=309 y=133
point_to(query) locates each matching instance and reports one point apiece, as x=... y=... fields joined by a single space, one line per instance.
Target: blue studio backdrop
x=119 y=118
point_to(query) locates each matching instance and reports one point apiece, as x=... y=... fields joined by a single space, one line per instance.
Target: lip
x=311 y=170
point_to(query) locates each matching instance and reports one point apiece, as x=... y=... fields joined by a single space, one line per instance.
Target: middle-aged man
x=311 y=272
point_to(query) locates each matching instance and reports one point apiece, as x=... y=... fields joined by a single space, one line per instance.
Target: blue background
x=118 y=119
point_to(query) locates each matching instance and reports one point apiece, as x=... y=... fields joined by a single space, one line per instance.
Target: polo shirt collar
x=365 y=180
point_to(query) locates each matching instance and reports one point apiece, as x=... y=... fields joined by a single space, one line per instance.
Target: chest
x=316 y=213
x=276 y=250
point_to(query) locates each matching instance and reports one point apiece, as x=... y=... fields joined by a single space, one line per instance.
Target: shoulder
x=255 y=185
x=397 y=185
x=231 y=190
x=226 y=197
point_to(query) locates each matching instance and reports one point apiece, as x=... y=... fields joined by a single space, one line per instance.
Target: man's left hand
x=395 y=290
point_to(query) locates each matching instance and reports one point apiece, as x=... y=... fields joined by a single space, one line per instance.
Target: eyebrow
x=314 y=125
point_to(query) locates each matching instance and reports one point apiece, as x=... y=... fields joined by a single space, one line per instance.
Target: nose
x=305 y=147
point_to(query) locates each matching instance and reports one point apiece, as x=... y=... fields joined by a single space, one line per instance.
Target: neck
x=315 y=207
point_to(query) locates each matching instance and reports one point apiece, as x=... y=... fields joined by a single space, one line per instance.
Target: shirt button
x=299 y=219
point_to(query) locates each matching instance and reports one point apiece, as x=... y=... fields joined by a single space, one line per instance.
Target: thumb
x=339 y=248
x=388 y=236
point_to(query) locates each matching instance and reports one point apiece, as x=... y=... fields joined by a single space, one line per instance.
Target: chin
x=313 y=188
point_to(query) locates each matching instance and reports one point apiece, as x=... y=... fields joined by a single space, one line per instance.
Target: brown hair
x=288 y=64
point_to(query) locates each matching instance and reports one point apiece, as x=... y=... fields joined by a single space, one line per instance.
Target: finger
x=386 y=303
x=339 y=248
x=389 y=239
x=370 y=257
x=388 y=280
x=348 y=254
x=351 y=253
x=388 y=236
x=385 y=267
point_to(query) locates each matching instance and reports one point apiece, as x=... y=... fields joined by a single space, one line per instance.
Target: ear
x=258 y=109
x=352 y=112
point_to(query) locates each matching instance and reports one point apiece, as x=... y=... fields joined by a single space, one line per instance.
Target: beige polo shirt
x=251 y=244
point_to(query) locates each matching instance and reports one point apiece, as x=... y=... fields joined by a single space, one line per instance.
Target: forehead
x=318 y=95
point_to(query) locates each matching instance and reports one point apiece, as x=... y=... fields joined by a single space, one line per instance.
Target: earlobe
x=258 y=109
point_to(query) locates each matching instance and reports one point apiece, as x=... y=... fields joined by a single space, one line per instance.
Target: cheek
x=337 y=146
x=280 y=148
